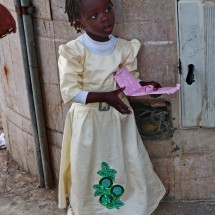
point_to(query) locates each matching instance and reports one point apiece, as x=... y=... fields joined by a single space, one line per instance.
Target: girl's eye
x=93 y=16
x=108 y=9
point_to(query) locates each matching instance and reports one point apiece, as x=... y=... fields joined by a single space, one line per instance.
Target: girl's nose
x=104 y=17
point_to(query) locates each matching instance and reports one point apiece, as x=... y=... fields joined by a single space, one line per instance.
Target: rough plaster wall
x=187 y=173
x=14 y=103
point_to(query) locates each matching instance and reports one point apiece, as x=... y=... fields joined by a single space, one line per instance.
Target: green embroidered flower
x=117 y=190
x=106 y=182
x=106 y=199
x=109 y=194
x=107 y=172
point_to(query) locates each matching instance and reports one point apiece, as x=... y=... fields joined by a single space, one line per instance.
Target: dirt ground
x=19 y=195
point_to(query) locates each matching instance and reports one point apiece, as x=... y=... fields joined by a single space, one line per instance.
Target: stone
x=195 y=176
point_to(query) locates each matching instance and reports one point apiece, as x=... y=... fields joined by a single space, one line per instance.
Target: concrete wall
x=14 y=103
x=1 y=126
x=188 y=173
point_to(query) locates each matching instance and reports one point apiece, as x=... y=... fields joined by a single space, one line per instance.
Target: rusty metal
x=24 y=10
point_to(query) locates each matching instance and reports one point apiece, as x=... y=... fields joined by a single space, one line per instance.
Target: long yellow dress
x=104 y=169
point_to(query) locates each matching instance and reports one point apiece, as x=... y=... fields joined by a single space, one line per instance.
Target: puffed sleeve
x=131 y=57
x=70 y=64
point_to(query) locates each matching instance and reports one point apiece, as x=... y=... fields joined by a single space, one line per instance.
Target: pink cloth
x=124 y=78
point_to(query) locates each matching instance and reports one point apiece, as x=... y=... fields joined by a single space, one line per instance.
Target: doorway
x=196 y=49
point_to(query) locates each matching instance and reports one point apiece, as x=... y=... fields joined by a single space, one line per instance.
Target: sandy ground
x=19 y=195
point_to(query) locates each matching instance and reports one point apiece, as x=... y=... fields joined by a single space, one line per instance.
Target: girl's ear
x=78 y=26
x=79 y=23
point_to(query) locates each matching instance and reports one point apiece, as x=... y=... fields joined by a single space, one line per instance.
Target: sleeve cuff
x=81 y=97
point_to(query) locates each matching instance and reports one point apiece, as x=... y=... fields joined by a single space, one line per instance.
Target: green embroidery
x=109 y=194
x=103 y=108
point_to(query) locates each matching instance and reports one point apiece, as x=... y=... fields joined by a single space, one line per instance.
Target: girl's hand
x=112 y=98
x=155 y=85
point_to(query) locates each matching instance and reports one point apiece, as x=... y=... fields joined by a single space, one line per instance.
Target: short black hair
x=74 y=9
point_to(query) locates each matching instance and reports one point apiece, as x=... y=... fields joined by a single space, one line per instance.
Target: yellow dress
x=104 y=167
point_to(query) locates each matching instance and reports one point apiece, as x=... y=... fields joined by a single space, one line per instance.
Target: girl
x=104 y=168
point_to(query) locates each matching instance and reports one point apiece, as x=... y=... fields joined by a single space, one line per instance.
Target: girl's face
x=98 y=19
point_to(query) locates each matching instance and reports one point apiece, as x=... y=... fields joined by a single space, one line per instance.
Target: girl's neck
x=97 y=37
x=96 y=47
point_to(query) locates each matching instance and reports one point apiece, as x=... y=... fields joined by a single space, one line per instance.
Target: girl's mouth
x=108 y=29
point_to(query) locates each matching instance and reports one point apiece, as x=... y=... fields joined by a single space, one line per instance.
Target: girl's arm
x=110 y=98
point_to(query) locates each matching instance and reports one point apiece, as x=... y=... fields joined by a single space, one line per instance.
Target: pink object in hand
x=124 y=78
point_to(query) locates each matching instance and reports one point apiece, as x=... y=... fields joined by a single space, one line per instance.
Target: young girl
x=104 y=168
